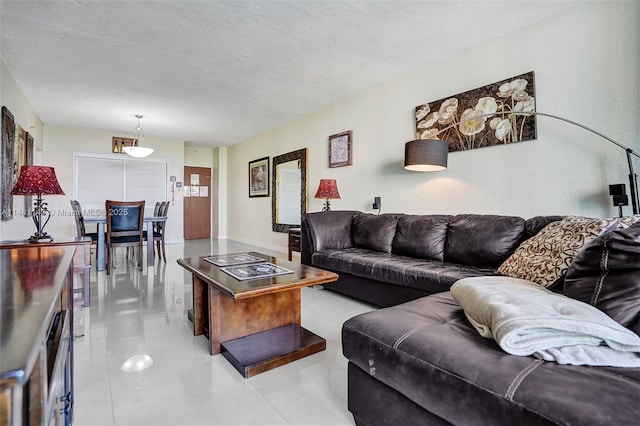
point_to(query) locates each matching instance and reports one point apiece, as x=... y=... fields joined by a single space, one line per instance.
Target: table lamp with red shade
x=38 y=180
x=328 y=189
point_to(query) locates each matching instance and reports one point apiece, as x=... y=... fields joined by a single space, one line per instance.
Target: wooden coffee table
x=255 y=323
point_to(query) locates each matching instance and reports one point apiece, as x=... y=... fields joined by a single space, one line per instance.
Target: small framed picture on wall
x=340 y=149
x=117 y=144
x=259 y=178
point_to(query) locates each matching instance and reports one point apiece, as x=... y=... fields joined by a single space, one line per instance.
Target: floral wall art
x=481 y=117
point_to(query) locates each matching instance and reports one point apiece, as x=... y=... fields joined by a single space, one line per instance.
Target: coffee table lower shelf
x=260 y=352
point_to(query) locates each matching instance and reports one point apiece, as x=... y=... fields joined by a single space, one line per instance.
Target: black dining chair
x=80 y=227
x=124 y=227
x=158 y=231
x=160 y=210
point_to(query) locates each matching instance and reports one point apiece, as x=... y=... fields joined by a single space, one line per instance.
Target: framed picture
x=259 y=178
x=118 y=143
x=8 y=142
x=28 y=200
x=340 y=149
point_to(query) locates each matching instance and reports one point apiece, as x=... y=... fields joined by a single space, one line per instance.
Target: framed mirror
x=288 y=190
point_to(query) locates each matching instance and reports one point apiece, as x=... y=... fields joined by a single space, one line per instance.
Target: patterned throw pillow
x=546 y=256
x=628 y=221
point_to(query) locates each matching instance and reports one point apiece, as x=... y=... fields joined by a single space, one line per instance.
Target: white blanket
x=527 y=319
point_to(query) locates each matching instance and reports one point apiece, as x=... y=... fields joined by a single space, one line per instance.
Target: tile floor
x=144 y=312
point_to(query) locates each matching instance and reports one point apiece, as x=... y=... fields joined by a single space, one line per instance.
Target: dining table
x=101 y=245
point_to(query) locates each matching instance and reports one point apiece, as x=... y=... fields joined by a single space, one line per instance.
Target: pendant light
x=138 y=151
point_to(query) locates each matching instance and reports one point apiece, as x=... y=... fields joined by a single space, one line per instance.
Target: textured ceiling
x=213 y=73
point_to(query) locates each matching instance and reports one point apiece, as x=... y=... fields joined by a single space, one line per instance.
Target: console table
x=36 y=345
x=81 y=261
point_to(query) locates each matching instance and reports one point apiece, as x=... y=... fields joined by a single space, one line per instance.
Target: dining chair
x=124 y=227
x=160 y=210
x=156 y=212
x=80 y=227
x=158 y=230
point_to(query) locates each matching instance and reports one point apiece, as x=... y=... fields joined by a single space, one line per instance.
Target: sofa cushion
x=374 y=232
x=431 y=276
x=483 y=240
x=546 y=256
x=421 y=236
x=330 y=229
x=537 y=223
x=606 y=274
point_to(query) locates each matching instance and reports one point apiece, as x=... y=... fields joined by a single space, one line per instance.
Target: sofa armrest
x=325 y=230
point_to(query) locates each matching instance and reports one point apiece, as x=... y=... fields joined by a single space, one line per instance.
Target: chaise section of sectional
x=421 y=362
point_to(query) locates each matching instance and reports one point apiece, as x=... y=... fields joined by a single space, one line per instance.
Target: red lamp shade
x=37 y=180
x=328 y=190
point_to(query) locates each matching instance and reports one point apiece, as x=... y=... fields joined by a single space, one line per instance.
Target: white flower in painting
x=512 y=88
x=503 y=128
x=494 y=122
x=448 y=110
x=519 y=95
x=487 y=105
x=422 y=112
x=526 y=105
x=429 y=121
x=472 y=122
x=431 y=133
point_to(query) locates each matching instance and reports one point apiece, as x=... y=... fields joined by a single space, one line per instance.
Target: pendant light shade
x=138 y=151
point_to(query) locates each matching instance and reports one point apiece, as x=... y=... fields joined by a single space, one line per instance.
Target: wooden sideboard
x=36 y=344
x=81 y=262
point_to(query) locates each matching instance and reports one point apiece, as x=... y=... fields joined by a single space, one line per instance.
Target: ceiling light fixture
x=138 y=151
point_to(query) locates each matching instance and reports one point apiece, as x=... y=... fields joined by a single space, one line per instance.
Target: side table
x=294 y=240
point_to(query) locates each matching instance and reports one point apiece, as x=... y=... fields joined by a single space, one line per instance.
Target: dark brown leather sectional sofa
x=419 y=361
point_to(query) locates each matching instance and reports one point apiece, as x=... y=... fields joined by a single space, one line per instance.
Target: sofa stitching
x=402 y=338
x=517 y=381
x=464 y=379
x=604 y=266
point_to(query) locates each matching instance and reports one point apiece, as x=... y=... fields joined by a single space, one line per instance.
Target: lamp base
x=326 y=206
x=44 y=238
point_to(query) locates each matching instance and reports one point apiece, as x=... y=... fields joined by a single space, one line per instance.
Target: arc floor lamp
x=431 y=154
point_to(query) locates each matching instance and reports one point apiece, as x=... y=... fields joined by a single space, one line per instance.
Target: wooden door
x=197 y=202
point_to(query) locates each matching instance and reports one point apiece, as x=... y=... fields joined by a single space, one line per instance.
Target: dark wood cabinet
x=294 y=241
x=36 y=344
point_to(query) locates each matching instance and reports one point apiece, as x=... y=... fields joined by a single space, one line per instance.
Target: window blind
x=97 y=179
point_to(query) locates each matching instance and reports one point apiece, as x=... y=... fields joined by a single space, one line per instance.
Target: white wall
x=197 y=157
x=11 y=96
x=587 y=68
x=220 y=186
x=62 y=142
